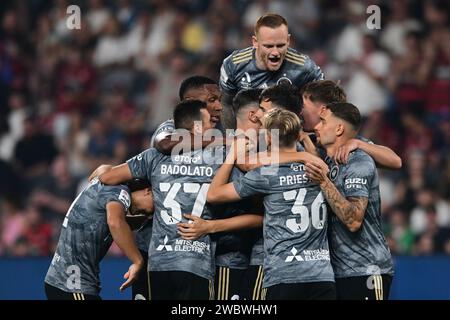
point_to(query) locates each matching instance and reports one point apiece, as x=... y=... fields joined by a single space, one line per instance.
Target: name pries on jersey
x=294 y=178
x=185 y=245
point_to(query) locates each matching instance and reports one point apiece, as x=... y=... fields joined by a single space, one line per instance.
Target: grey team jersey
x=179 y=185
x=295 y=224
x=144 y=234
x=239 y=71
x=364 y=252
x=233 y=249
x=257 y=254
x=85 y=239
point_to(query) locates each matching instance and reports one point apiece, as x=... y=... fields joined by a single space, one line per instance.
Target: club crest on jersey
x=334 y=172
x=284 y=80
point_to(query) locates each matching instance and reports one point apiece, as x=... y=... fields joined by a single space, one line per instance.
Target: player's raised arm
x=122 y=235
x=220 y=189
x=383 y=156
x=100 y=170
x=116 y=175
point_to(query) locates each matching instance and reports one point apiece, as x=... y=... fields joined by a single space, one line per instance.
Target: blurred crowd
x=73 y=99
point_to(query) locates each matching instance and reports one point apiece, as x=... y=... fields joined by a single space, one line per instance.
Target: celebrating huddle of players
x=246 y=201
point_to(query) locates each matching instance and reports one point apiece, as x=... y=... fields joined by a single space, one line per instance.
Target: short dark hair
x=137 y=184
x=285 y=96
x=324 y=91
x=193 y=82
x=246 y=98
x=186 y=112
x=346 y=111
x=271 y=20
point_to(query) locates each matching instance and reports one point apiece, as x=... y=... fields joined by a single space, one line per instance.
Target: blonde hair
x=286 y=122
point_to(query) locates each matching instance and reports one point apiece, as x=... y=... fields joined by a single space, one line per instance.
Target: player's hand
x=100 y=170
x=131 y=275
x=194 y=229
x=315 y=173
x=341 y=154
x=312 y=159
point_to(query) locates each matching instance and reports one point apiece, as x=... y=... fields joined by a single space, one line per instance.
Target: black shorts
x=324 y=290
x=251 y=288
x=140 y=288
x=227 y=284
x=54 y=293
x=374 y=287
x=179 y=285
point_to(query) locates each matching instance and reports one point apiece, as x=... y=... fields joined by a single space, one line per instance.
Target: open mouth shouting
x=274 y=61
x=214 y=120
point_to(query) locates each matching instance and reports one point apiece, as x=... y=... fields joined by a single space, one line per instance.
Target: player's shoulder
x=238 y=57
x=297 y=58
x=113 y=189
x=361 y=159
x=120 y=193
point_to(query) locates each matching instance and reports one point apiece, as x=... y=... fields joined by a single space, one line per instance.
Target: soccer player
x=193 y=88
x=360 y=255
x=234 y=248
x=178 y=269
x=296 y=256
x=268 y=62
x=316 y=95
x=95 y=218
x=285 y=96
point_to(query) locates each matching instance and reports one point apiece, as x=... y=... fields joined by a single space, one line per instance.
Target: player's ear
x=254 y=41
x=288 y=39
x=340 y=129
x=252 y=116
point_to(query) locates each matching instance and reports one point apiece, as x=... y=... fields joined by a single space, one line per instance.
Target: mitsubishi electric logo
x=294 y=256
x=165 y=245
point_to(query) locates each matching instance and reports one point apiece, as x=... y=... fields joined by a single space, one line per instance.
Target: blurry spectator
x=111 y=46
x=399 y=234
x=371 y=70
x=106 y=144
x=12 y=223
x=36 y=237
x=10 y=180
x=403 y=80
x=56 y=192
x=76 y=82
x=97 y=16
x=11 y=127
x=399 y=24
x=417 y=136
x=349 y=43
x=430 y=210
x=424 y=245
x=34 y=152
